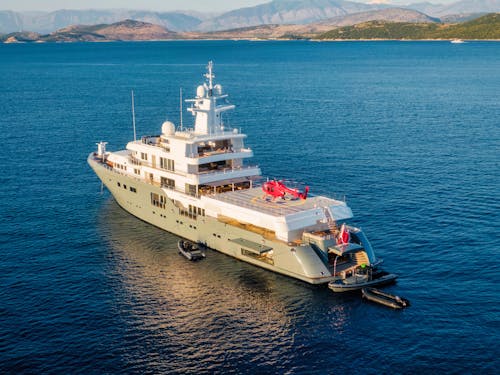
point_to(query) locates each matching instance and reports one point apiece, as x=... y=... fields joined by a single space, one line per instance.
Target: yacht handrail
x=225 y=170
x=205 y=154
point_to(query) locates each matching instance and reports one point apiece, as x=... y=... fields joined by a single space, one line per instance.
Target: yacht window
x=167 y=164
x=167 y=182
x=266 y=257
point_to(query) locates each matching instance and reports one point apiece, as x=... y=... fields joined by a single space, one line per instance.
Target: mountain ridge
x=276 y=31
x=485 y=27
x=456 y=8
x=273 y=12
x=284 y=12
x=388 y=14
x=48 y=22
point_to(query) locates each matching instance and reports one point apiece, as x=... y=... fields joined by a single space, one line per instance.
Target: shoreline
x=244 y=40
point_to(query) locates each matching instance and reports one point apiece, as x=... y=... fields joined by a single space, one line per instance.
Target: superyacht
x=198 y=184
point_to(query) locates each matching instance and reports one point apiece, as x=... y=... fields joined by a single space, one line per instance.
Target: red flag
x=343 y=235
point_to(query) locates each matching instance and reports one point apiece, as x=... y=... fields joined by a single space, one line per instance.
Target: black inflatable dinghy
x=386 y=299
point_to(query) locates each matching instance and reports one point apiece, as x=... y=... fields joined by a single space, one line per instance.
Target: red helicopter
x=277 y=189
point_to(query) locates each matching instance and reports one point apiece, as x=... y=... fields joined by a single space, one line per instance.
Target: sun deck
x=257 y=200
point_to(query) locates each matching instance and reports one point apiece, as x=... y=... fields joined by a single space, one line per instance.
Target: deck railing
x=205 y=154
x=227 y=169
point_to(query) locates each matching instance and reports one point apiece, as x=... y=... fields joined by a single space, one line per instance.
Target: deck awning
x=349 y=248
x=254 y=247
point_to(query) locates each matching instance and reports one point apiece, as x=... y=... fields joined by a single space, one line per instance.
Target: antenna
x=180 y=107
x=133 y=115
x=210 y=76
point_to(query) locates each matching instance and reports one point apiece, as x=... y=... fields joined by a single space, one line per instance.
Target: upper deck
x=257 y=200
x=287 y=218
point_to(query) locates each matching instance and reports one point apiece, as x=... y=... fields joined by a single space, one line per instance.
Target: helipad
x=257 y=200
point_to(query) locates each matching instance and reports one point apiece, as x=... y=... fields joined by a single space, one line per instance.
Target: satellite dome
x=168 y=128
x=200 y=92
x=218 y=89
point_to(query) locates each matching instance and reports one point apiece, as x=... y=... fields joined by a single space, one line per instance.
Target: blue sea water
x=409 y=132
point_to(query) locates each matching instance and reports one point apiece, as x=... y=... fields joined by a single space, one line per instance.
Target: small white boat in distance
x=190 y=250
x=457 y=41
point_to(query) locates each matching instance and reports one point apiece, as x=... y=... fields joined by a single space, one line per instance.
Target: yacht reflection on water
x=213 y=303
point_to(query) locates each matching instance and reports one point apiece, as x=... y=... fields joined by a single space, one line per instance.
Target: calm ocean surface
x=408 y=131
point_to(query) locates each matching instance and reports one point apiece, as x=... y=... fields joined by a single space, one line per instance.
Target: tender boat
x=386 y=299
x=360 y=279
x=352 y=269
x=190 y=250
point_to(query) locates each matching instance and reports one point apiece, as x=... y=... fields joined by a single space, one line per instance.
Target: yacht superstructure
x=198 y=183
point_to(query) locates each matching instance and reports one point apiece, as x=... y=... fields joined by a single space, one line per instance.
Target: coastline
x=245 y=40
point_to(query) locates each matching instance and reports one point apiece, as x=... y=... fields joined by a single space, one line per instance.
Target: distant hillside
x=263 y=32
x=314 y=11
x=309 y=30
x=20 y=37
x=464 y=17
x=48 y=22
x=390 y=14
x=275 y=12
x=486 y=27
x=124 y=30
x=382 y=30
x=457 y=8
x=469 y=6
x=285 y=12
x=425 y=7
x=135 y=30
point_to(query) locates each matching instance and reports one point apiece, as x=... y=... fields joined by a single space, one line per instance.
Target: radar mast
x=210 y=76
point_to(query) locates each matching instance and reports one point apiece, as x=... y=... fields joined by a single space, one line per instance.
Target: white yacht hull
x=298 y=261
